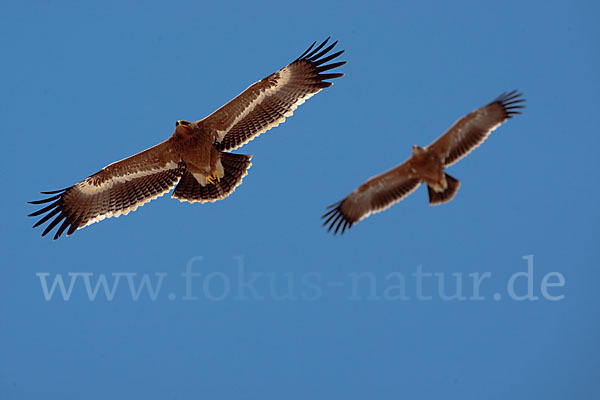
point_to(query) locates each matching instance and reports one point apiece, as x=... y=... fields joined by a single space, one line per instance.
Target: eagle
x=425 y=165
x=196 y=159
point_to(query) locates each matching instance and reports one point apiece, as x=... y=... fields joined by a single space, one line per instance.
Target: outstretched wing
x=472 y=130
x=373 y=196
x=268 y=102
x=116 y=189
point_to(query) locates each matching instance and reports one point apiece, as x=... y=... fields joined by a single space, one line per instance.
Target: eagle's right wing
x=116 y=189
x=268 y=102
x=472 y=129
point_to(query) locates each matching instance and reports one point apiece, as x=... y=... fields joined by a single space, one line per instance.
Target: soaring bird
x=195 y=159
x=425 y=165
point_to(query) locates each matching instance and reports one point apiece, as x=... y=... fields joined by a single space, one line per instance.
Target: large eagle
x=425 y=165
x=195 y=159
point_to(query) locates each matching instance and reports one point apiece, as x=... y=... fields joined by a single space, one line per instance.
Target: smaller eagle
x=425 y=165
x=195 y=160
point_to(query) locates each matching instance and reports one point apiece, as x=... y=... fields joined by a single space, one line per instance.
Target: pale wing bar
x=341 y=214
x=470 y=134
x=115 y=190
x=77 y=209
x=276 y=97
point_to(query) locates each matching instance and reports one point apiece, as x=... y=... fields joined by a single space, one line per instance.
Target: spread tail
x=448 y=194
x=235 y=168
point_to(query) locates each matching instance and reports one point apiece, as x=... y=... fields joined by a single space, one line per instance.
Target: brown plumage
x=426 y=165
x=194 y=158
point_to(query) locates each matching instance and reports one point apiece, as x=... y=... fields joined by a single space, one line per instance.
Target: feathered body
x=425 y=165
x=195 y=160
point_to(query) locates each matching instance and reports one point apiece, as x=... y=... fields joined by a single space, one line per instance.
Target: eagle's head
x=182 y=123
x=416 y=150
x=183 y=128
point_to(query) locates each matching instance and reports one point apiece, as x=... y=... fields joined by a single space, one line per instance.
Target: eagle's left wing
x=373 y=196
x=268 y=102
x=472 y=129
x=115 y=190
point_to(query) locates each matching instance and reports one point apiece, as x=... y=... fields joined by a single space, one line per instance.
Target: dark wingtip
x=318 y=57
x=335 y=218
x=331 y=76
x=512 y=97
x=42 y=201
x=511 y=101
x=53 y=212
x=334 y=205
x=316 y=49
x=313 y=53
x=306 y=52
x=55 y=191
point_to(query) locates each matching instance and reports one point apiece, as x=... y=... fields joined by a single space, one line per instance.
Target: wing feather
x=117 y=189
x=472 y=130
x=375 y=195
x=267 y=103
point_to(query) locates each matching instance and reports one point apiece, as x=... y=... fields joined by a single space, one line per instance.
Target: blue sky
x=85 y=84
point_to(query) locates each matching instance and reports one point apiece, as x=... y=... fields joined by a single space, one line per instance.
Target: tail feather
x=235 y=169
x=448 y=194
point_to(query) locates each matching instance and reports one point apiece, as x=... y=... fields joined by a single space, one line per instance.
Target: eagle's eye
x=180 y=122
